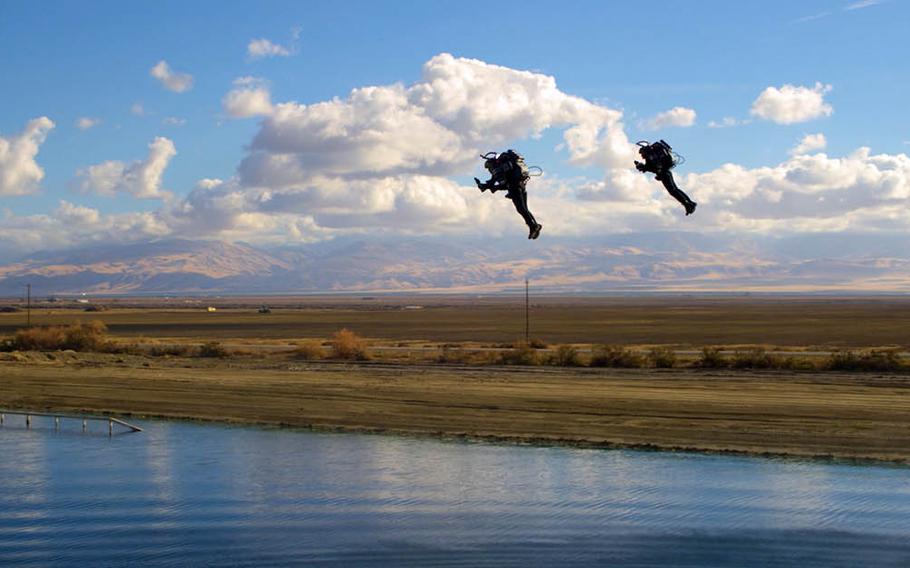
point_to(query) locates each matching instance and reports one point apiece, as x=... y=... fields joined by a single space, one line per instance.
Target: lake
x=187 y=494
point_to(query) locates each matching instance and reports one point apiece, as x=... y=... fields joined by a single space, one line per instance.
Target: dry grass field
x=448 y=369
x=828 y=323
x=807 y=414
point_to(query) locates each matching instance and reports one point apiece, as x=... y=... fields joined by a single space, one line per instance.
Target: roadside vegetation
x=346 y=345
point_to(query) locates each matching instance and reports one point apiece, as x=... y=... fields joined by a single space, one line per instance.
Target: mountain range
x=672 y=262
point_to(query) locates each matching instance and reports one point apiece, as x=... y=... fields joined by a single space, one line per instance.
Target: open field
x=823 y=323
x=797 y=414
x=256 y=373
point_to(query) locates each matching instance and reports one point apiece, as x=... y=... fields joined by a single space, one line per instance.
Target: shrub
x=520 y=354
x=755 y=359
x=170 y=351
x=711 y=359
x=213 y=349
x=566 y=356
x=449 y=354
x=538 y=343
x=875 y=360
x=349 y=346
x=308 y=351
x=662 y=358
x=615 y=356
x=78 y=337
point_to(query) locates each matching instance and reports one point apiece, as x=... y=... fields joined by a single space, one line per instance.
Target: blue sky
x=67 y=60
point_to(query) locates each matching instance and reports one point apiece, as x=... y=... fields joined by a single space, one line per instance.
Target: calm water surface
x=187 y=495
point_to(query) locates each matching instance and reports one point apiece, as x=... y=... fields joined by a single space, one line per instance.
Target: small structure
x=265 y=309
x=57 y=416
x=211 y=309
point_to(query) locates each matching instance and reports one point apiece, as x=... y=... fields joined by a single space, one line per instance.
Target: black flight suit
x=659 y=161
x=505 y=174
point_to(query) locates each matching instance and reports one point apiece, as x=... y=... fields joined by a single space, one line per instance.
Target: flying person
x=659 y=160
x=508 y=172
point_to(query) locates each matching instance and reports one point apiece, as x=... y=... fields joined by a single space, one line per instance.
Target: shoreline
x=861 y=418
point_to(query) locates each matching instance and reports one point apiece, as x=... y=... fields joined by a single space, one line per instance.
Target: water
x=184 y=494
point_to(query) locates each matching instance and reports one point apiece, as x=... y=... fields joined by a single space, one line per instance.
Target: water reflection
x=182 y=494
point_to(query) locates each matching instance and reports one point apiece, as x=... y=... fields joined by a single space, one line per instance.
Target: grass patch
x=308 y=351
x=884 y=360
x=449 y=354
x=616 y=356
x=712 y=359
x=171 y=351
x=565 y=356
x=520 y=354
x=213 y=349
x=91 y=336
x=662 y=358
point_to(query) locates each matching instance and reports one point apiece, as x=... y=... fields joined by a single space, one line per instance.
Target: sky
x=283 y=123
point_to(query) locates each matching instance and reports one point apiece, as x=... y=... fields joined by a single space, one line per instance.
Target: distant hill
x=660 y=262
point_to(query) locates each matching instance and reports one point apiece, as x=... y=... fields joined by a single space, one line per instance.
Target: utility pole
x=527 y=315
x=28 y=305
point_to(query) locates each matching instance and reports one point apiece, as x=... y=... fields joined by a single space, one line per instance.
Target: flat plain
x=781 y=412
x=795 y=322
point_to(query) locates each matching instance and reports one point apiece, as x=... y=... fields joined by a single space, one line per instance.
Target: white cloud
x=863 y=4
x=20 y=174
x=437 y=126
x=174 y=121
x=72 y=225
x=259 y=48
x=141 y=178
x=727 y=122
x=809 y=143
x=171 y=80
x=791 y=104
x=137 y=109
x=86 y=122
x=249 y=97
x=377 y=161
x=676 y=116
x=807 y=193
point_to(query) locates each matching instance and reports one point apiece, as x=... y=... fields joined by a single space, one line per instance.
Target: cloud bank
x=384 y=160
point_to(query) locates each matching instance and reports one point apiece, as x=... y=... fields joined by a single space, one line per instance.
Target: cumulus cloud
x=809 y=143
x=137 y=109
x=141 y=178
x=170 y=79
x=808 y=193
x=74 y=225
x=791 y=104
x=174 y=121
x=676 y=116
x=379 y=160
x=436 y=126
x=249 y=97
x=86 y=122
x=260 y=48
x=20 y=174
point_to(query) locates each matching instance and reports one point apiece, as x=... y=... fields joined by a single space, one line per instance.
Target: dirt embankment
x=860 y=416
